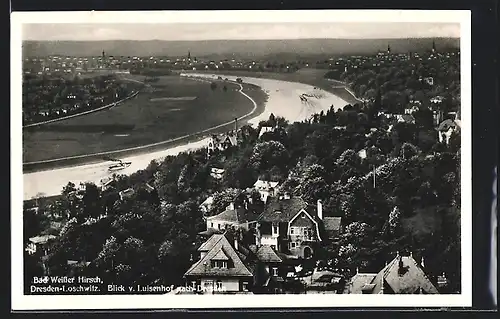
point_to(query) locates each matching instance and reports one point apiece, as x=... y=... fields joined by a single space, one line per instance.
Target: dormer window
x=219 y=264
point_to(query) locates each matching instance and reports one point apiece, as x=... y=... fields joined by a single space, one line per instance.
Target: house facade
x=223 y=141
x=220 y=269
x=38 y=243
x=265 y=189
x=446 y=129
x=227 y=266
x=291 y=226
x=231 y=217
x=266 y=129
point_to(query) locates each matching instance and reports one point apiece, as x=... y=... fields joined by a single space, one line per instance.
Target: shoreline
x=86 y=159
x=102 y=108
x=283 y=100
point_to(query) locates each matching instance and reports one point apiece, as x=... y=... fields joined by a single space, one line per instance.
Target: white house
x=266 y=129
x=231 y=217
x=36 y=243
x=126 y=193
x=216 y=173
x=207 y=204
x=446 y=129
x=265 y=188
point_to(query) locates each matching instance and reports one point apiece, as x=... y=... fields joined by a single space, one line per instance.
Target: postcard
x=255 y=159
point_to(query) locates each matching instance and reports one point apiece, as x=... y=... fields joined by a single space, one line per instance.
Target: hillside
x=216 y=49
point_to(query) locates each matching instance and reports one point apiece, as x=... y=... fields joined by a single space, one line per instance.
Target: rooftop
x=406 y=277
x=203 y=266
x=285 y=209
x=41 y=239
x=237 y=215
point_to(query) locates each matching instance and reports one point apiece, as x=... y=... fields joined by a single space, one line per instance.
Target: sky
x=236 y=31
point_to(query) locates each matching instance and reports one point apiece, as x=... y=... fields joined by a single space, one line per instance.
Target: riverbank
x=309 y=76
x=283 y=100
x=102 y=108
x=257 y=99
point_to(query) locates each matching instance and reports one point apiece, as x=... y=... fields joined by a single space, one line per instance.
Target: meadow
x=171 y=107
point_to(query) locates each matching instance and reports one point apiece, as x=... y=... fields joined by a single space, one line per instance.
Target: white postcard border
x=102 y=302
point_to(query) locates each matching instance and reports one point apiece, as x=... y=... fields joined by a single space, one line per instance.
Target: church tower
x=189 y=55
x=433 y=46
x=388 y=49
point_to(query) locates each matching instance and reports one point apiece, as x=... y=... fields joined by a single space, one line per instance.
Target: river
x=283 y=100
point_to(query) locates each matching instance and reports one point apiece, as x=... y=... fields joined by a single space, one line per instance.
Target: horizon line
x=200 y=40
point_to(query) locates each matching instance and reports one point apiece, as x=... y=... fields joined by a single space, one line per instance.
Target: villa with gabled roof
x=403 y=275
x=227 y=266
x=291 y=225
x=220 y=268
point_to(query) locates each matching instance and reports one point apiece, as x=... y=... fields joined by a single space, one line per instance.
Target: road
x=283 y=101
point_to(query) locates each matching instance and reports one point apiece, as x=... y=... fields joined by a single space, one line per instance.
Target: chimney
x=257 y=237
x=286 y=195
x=236 y=243
x=422 y=262
x=320 y=209
x=400 y=263
x=235 y=125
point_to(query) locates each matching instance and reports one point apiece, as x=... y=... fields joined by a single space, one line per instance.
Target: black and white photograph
x=230 y=159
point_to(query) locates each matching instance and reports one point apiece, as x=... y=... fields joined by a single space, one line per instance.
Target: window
x=275 y=230
x=303 y=216
x=293 y=244
x=208 y=284
x=219 y=284
x=212 y=225
x=245 y=286
x=273 y=246
x=292 y=230
x=219 y=264
x=275 y=271
x=218 y=226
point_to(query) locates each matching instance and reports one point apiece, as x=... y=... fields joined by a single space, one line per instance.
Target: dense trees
x=393 y=85
x=396 y=190
x=47 y=98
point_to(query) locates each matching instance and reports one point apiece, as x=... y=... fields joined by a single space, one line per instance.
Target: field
x=169 y=108
x=314 y=77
